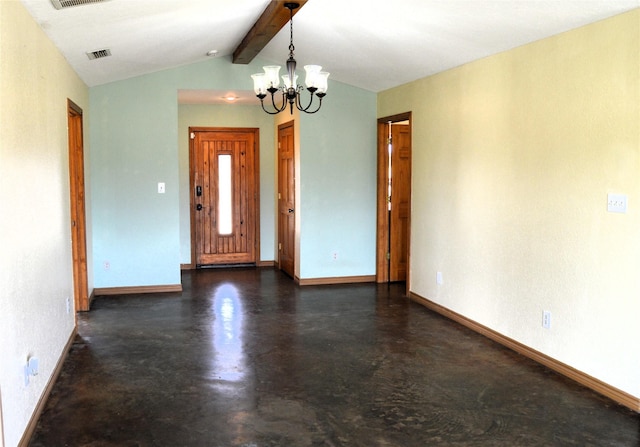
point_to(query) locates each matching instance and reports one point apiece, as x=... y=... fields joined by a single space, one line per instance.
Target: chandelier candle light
x=269 y=81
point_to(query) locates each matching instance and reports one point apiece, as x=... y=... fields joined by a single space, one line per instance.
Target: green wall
x=135 y=143
x=338 y=186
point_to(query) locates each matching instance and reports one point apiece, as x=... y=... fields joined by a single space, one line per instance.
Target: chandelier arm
x=270 y=113
x=282 y=106
x=273 y=102
x=317 y=108
x=306 y=109
x=298 y=103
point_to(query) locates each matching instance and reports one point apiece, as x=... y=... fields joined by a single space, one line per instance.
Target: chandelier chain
x=291 y=47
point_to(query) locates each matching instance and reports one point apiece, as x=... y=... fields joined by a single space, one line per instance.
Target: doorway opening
x=224 y=196
x=394 y=199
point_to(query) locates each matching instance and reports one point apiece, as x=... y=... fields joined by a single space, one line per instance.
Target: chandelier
x=269 y=81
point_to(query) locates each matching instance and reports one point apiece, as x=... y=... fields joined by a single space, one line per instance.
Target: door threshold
x=225 y=266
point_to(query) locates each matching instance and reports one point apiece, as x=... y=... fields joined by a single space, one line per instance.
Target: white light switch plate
x=161 y=188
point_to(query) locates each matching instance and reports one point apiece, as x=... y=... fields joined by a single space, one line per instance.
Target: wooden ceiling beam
x=274 y=17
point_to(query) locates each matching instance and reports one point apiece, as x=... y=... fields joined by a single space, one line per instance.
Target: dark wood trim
x=582 y=378
x=382 y=236
x=382 y=227
x=77 y=211
x=33 y=421
x=266 y=264
x=192 y=204
x=273 y=19
x=280 y=189
x=73 y=106
x=130 y=290
x=192 y=214
x=395 y=118
x=187 y=266
x=335 y=280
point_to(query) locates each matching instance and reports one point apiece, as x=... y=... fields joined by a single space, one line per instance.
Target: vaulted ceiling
x=372 y=44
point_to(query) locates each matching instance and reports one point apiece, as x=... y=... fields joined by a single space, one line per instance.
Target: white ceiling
x=372 y=44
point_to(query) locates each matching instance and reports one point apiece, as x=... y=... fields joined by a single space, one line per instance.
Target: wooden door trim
x=256 y=173
x=281 y=127
x=77 y=208
x=382 y=227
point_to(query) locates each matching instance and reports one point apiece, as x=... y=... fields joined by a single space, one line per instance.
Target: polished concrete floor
x=246 y=358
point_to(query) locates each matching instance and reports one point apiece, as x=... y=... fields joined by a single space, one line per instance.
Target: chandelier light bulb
x=272 y=73
x=259 y=84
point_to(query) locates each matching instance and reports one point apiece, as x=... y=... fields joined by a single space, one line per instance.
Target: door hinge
x=389 y=140
x=388 y=256
x=279 y=246
x=193 y=135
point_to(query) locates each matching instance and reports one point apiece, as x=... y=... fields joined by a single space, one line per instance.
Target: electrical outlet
x=30 y=369
x=546 y=319
x=617 y=203
x=439 y=279
x=107 y=265
x=334 y=256
x=68 y=305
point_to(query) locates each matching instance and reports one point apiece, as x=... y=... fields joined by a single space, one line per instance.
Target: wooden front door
x=394 y=198
x=224 y=195
x=286 y=199
x=78 y=216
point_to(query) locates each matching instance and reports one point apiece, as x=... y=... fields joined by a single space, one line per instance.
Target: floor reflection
x=229 y=360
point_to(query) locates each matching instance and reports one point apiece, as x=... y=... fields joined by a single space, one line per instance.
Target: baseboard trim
x=130 y=290
x=336 y=280
x=590 y=382
x=262 y=264
x=33 y=422
x=187 y=267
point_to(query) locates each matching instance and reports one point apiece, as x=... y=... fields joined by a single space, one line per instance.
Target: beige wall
x=514 y=156
x=35 y=255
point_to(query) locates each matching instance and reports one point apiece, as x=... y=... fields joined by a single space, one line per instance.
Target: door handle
x=290 y=210
x=199 y=206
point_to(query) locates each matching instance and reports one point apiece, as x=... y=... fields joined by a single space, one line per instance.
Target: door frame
x=382 y=227
x=77 y=206
x=279 y=230
x=192 y=195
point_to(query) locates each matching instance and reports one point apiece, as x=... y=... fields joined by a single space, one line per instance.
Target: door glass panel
x=225 y=218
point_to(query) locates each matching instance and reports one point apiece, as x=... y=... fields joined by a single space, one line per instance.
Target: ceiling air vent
x=61 y=4
x=99 y=54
